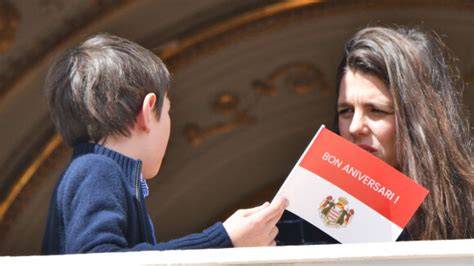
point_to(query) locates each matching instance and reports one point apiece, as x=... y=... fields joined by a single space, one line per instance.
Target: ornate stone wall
x=252 y=81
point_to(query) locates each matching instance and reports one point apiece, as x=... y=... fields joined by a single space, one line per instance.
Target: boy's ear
x=146 y=114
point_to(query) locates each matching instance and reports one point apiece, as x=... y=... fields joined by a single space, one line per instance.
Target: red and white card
x=349 y=193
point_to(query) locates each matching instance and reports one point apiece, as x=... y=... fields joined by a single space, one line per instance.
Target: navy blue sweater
x=98 y=206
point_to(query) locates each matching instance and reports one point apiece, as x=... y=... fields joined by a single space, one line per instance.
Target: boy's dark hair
x=96 y=89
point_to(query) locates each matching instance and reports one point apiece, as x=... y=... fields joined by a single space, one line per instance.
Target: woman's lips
x=367 y=148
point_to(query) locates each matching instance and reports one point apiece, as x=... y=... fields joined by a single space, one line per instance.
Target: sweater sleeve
x=213 y=237
x=95 y=216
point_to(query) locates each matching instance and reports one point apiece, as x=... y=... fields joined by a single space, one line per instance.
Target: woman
x=398 y=98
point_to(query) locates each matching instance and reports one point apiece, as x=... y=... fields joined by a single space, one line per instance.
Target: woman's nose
x=358 y=124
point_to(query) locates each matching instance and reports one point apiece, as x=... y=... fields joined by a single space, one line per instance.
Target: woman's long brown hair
x=433 y=135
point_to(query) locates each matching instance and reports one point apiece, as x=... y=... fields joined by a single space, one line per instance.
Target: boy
x=107 y=98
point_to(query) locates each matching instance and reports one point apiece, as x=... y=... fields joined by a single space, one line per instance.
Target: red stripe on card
x=360 y=180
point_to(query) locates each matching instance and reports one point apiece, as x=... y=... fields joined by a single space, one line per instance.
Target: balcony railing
x=447 y=252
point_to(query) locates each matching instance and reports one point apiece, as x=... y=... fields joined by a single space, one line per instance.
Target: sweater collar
x=131 y=168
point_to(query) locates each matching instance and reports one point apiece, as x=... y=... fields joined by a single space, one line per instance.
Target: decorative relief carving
x=8 y=23
x=302 y=78
x=226 y=102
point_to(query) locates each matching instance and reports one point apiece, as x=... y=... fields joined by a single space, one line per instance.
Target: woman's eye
x=378 y=111
x=381 y=111
x=341 y=111
x=344 y=111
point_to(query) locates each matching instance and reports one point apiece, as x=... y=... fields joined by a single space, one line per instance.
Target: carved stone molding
x=187 y=48
x=234 y=108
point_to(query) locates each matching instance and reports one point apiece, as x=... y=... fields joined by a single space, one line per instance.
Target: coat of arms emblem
x=335 y=213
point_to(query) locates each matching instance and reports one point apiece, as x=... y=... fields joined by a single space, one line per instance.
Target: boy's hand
x=255 y=226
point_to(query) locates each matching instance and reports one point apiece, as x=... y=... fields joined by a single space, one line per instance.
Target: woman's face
x=366 y=115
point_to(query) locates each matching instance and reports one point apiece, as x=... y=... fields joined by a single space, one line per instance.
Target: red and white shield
x=333 y=214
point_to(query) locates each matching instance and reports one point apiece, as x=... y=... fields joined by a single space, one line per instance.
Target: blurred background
x=252 y=82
